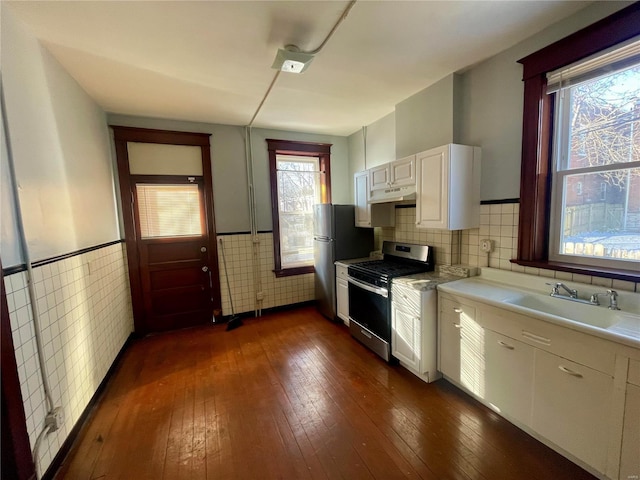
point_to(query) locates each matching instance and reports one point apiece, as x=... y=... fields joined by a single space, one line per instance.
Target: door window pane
x=169 y=210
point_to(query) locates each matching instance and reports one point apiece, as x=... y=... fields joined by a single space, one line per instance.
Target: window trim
x=301 y=149
x=537 y=138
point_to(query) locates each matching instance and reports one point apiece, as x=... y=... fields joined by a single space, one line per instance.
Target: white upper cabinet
x=380 y=177
x=403 y=171
x=362 y=210
x=368 y=215
x=398 y=173
x=448 y=187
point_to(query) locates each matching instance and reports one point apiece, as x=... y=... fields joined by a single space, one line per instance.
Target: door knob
x=203 y=249
x=205 y=269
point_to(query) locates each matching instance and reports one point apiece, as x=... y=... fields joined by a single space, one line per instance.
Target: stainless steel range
x=370 y=292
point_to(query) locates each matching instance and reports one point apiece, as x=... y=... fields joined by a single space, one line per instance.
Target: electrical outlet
x=260 y=296
x=486 y=245
x=54 y=419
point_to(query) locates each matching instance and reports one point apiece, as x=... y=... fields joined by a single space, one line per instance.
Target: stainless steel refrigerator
x=335 y=237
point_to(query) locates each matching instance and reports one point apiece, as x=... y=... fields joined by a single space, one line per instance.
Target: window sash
x=295 y=209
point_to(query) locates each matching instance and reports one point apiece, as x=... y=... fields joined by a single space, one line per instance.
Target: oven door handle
x=377 y=290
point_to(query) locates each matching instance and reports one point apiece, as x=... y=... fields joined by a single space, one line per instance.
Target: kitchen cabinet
x=571 y=407
x=508 y=385
x=398 y=173
x=457 y=340
x=342 y=293
x=448 y=187
x=368 y=215
x=630 y=455
x=555 y=382
x=414 y=329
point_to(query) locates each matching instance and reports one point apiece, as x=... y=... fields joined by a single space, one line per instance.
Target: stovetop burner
x=390 y=268
x=400 y=259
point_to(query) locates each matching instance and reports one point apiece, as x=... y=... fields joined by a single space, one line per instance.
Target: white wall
x=481 y=106
x=9 y=240
x=228 y=165
x=380 y=147
x=60 y=148
x=426 y=119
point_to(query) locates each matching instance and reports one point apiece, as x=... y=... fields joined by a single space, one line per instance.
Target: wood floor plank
x=292 y=396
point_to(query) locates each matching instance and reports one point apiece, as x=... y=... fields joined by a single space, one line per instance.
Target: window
x=599 y=114
x=300 y=178
x=169 y=210
x=539 y=173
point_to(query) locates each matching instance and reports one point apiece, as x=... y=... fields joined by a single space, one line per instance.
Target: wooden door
x=169 y=228
x=173 y=253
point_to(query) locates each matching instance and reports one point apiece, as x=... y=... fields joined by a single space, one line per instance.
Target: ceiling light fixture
x=292 y=60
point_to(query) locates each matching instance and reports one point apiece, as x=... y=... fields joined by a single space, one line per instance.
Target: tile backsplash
x=85 y=313
x=243 y=280
x=498 y=223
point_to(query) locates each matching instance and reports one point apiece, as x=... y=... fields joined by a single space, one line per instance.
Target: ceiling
x=210 y=61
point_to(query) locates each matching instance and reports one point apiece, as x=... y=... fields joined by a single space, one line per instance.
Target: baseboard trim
x=77 y=428
x=281 y=308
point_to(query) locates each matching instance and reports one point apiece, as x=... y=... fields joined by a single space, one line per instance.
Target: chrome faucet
x=613 y=299
x=555 y=290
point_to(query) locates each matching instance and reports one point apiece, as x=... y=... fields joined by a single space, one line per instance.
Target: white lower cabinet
x=571 y=407
x=532 y=381
x=342 y=293
x=449 y=337
x=508 y=385
x=630 y=457
x=405 y=335
x=413 y=330
x=457 y=329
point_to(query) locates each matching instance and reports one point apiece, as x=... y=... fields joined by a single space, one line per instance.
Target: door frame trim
x=121 y=136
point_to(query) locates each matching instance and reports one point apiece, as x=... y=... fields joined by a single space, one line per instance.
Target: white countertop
x=497 y=290
x=346 y=263
x=424 y=281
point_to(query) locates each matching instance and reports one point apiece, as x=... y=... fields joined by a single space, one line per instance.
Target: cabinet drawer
x=579 y=347
x=406 y=299
x=451 y=306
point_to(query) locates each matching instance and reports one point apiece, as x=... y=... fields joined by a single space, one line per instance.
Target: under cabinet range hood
x=393 y=194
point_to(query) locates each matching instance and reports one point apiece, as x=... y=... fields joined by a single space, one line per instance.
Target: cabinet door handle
x=506 y=345
x=457 y=325
x=570 y=372
x=536 y=338
x=457 y=309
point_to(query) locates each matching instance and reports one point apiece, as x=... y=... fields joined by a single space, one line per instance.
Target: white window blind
x=169 y=210
x=603 y=63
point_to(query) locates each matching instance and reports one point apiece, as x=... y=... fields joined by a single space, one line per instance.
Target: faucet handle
x=555 y=287
x=594 y=300
x=613 y=300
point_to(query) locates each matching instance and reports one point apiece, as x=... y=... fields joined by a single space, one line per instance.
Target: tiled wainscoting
x=498 y=223
x=277 y=292
x=85 y=317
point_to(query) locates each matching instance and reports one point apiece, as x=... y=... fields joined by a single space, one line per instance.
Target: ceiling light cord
x=313 y=52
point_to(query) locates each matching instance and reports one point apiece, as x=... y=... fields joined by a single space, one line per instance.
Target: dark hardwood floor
x=292 y=396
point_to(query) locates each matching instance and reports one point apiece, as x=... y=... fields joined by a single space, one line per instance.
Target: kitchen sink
x=597 y=316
